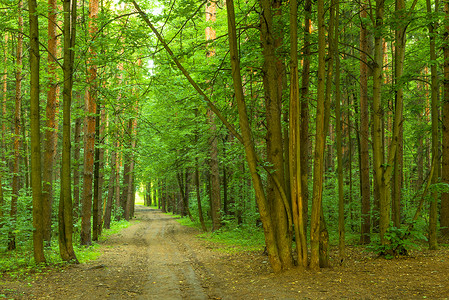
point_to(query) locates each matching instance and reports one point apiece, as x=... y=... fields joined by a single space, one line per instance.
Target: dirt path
x=156 y=258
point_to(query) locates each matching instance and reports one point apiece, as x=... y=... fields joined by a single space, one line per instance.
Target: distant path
x=170 y=266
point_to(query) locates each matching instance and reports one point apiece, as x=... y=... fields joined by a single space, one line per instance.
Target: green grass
x=237 y=238
x=231 y=237
x=19 y=263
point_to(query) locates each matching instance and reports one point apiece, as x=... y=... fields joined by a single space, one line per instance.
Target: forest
x=320 y=124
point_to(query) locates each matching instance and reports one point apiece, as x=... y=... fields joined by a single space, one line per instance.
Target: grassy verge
x=19 y=263
x=230 y=238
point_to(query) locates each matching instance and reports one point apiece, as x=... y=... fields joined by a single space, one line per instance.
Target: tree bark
x=295 y=142
x=89 y=132
x=16 y=134
x=36 y=182
x=338 y=126
x=365 y=228
x=304 y=109
x=272 y=70
x=51 y=121
x=444 y=218
x=319 y=144
x=65 y=213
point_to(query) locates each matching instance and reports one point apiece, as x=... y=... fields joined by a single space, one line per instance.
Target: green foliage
x=399 y=240
x=235 y=238
x=20 y=262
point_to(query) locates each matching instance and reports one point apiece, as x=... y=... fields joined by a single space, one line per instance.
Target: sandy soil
x=156 y=258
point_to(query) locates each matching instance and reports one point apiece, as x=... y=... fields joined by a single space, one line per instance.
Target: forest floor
x=157 y=258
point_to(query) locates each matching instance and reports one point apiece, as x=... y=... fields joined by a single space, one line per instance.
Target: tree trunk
x=319 y=143
x=444 y=218
x=16 y=134
x=51 y=122
x=36 y=175
x=270 y=238
x=89 y=132
x=381 y=181
x=96 y=203
x=365 y=228
x=275 y=153
x=304 y=134
x=338 y=126
x=76 y=169
x=214 y=174
x=111 y=189
x=65 y=214
x=295 y=142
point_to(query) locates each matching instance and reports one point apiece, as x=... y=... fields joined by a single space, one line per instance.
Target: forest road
x=154 y=258
x=156 y=245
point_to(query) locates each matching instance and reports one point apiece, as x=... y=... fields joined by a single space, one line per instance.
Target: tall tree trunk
x=444 y=218
x=89 y=132
x=380 y=180
x=295 y=142
x=304 y=134
x=36 y=182
x=65 y=213
x=275 y=153
x=17 y=114
x=270 y=238
x=319 y=143
x=365 y=228
x=51 y=121
x=338 y=126
x=399 y=54
x=215 y=194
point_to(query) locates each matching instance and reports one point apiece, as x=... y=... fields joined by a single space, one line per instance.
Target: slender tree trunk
x=248 y=143
x=319 y=144
x=365 y=228
x=444 y=218
x=304 y=134
x=96 y=203
x=295 y=142
x=338 y=126
x=65 y=214
x=89 y=132
x=36 y=182
x=111 y=189
x=198 y=195
x=215 y=194
x=214 y=175
x=16 y=134
x=76 y=169
x=51 y=121
x=399 y=53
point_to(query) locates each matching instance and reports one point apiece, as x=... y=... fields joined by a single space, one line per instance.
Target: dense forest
x=320 y=122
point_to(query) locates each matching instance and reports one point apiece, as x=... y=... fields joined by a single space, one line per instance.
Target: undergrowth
x=231 y=236
x=20 y=264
